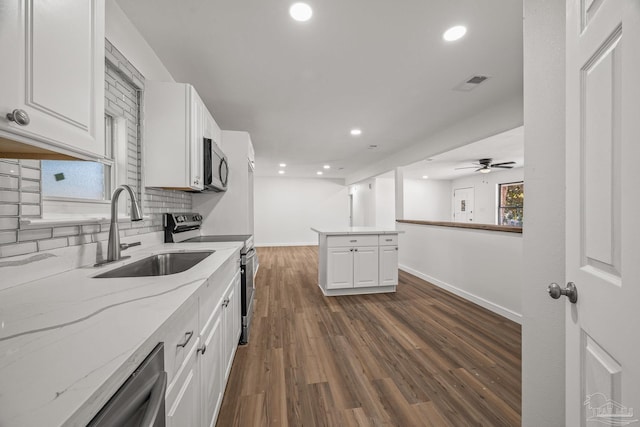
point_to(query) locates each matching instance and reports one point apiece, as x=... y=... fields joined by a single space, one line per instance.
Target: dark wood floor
x=418 y=357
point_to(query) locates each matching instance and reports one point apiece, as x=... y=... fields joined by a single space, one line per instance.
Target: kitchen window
x=511 y=204
x=71 y=188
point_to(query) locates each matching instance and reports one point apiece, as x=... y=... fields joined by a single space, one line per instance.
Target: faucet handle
x=124 y=246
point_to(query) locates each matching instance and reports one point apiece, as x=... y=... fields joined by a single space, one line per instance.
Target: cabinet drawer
x=181 y=336
x=352 y=240
x=388 y=239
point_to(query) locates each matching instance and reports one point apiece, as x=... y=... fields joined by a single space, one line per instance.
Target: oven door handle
x=155 y=401
x=250 y=254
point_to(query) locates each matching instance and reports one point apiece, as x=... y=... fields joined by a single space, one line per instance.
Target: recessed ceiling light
x=425 y=176
x=356 y=132
x=283 y=165
x=319 y=173
x=454 y=33
x=281 y=172
x=300 y=12
x=327 y=166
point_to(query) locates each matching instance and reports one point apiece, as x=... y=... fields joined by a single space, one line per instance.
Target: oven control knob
x=198 y=217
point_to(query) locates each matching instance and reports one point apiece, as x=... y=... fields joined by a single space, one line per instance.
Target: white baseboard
x=498 y=309
x=266 y=245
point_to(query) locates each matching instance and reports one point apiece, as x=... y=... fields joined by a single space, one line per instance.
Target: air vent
x=470 y=83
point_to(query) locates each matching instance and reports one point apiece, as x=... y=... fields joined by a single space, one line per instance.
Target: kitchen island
x=357 y=260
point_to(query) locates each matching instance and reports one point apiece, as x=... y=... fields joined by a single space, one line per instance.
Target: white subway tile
x=45 y=245
x=66 y=231
x=18 y=249
x=8 y=237
x=8 y=223
x=37 y=234
x=9 y=196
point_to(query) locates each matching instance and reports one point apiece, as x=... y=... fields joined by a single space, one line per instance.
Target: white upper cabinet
x=175 y=124
x=52 y=78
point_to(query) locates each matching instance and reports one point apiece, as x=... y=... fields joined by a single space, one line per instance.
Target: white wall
x=484 y=267
x=486 y=191
x=125 y=37
x=385 y=202
x=427 y=199
x=543 y=373
x=286 y=208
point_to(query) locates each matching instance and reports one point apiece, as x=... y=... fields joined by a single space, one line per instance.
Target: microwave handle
x=155 y=401
x=225 y=178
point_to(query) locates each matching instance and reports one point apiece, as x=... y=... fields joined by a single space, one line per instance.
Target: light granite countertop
x=355 y=230
x=68 y=341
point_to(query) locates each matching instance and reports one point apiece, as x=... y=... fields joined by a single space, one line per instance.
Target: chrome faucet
x=114 y=247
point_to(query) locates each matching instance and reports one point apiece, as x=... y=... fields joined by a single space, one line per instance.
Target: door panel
x=388 y=265
x=603 y=241
x=365 y=267
x=340 y=268
x=463 y=204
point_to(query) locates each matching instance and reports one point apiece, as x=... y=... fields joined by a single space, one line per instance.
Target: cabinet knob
x=202 y=349
x=356 y=249
x=19 y=117
x=225 y=303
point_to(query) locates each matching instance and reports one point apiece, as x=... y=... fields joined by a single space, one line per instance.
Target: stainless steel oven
x=185 y=227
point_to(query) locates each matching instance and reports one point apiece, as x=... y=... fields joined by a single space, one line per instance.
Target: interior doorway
x=463 y=204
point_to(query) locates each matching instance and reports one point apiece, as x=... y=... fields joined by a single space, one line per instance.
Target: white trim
x=498 y=309
x=264 y=245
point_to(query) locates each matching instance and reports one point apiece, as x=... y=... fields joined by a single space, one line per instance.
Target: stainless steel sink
x=158 y=265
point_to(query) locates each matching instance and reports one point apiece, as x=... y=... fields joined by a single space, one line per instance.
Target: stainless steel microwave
x=216 y=167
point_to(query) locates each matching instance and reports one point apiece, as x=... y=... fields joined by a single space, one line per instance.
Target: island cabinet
x=52 y=79
x=357 y=263
x=200 y=347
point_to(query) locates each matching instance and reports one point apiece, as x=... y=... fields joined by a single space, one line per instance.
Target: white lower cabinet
x=211 y=360
x=352 y=267
x=340 y=268
x=357 y=263
x=195 y=391
x=365 y=267
x=388 y=265
x=183 y=395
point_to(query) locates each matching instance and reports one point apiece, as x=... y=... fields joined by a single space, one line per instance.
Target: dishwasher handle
x=155 y=401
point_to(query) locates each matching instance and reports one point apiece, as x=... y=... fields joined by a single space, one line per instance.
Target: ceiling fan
x=485 y=165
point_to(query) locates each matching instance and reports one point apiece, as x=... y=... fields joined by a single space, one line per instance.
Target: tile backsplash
x=20 y=189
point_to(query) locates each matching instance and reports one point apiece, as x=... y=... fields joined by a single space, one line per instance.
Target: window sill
x=60 y=221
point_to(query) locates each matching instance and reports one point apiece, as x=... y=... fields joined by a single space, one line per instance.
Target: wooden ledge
x=488 y=227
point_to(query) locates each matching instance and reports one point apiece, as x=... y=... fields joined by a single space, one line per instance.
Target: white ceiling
x=504 y=147
x=299 y=88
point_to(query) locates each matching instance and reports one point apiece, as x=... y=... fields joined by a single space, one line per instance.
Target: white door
x=388 y=265
x=365 y=266
x=339 y=268
x=463 y=204
x=603 y=236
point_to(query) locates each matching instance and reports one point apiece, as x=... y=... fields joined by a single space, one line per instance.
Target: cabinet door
x=53 y=68
x=183 y=394
x=197 y=141
x=388 y=265
x=231 y=325
x=365 y=266
x=211 y=367
x=340 y=268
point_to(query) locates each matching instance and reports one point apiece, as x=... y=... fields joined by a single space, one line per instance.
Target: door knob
x=18 y=116
x=570 y=291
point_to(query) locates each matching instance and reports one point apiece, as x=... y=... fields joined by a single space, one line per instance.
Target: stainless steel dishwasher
x=140 y=400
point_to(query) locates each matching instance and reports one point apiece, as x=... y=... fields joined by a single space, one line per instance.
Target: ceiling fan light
x=485 y=170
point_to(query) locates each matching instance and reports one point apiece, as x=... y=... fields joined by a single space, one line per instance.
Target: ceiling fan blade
x=502 y=166
x=503 y=163
x=479 y=169
x=466 y=167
